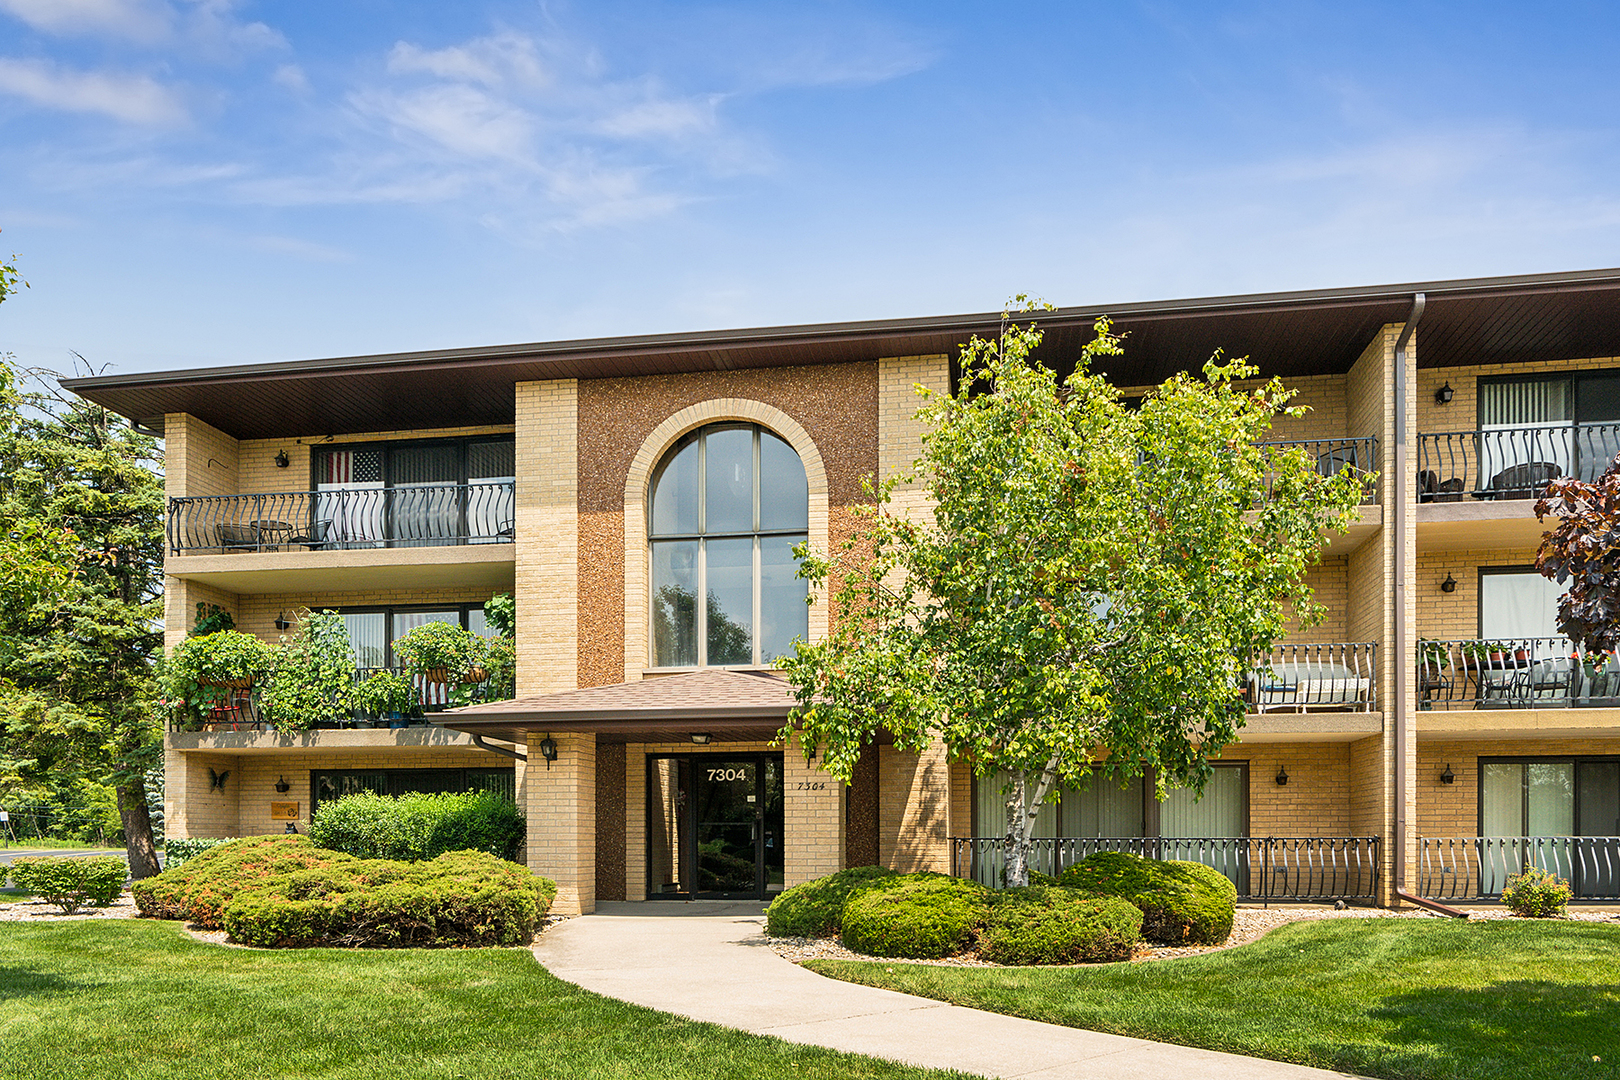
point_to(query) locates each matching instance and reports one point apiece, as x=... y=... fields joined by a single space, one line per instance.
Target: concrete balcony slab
x=474 y=565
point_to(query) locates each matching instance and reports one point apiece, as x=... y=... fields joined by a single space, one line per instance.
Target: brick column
x=547 y=555
x=914 y=809
x=813 y=818
x=562 y=819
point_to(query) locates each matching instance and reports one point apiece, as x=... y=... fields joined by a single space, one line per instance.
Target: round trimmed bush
x=1046 y=925
x=915 y=916
x=816 y=908
x=200 y=888
x=1182 y=903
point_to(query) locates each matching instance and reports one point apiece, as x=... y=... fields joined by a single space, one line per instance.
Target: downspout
x=478 y=741
x=1403 y=474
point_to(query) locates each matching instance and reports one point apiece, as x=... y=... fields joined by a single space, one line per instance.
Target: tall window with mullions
x=728 y=504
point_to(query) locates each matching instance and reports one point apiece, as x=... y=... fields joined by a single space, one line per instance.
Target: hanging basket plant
x=204 y=671
x=441 y=653
x=386 y=694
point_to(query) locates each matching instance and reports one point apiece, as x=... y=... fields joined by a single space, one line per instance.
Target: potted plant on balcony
x=442 y=653
x=211 y=673
x=312 y=679
x=387 y=695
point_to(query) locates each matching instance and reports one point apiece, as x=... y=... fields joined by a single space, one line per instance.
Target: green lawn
x=1381 y=997
x=140 y=999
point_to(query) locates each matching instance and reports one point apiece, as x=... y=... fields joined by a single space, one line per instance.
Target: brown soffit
x=1322 y=331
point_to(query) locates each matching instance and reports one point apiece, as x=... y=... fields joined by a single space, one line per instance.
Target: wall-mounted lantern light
x=1282 y=776
x=701 y=737
x=548 y=750
x=282 y=787
x=1448 y=777
x=1444 y=395
x=282 y=460
x=1448 y=585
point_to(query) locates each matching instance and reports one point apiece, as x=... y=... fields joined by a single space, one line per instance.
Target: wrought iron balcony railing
x=1261 y=867
x=1337 y=455
x=428 y=515
x=1510 y=462
x=239 y=709
x=1515 y=673
x=1476 y=867
x=1337 y=675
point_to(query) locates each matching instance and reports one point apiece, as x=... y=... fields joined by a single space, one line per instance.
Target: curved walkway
x=709 y=961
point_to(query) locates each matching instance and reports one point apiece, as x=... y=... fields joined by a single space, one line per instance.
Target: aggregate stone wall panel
x=836 y=405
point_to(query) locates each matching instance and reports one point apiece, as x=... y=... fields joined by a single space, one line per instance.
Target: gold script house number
x=728 y=774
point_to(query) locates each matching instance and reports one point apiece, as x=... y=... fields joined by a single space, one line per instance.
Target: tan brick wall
x=914 y=809
x=1462 y=414
x=1448 y=616
x=547 y=571
x=1329 y=582
x=1325 y=396
x=197 y=459
x=258 y=774
x=561 y=803
x=180 y=600
x=1453 y=809
x=190 y=807
x=257 y=612
x=1316 y=799
x=258 y=472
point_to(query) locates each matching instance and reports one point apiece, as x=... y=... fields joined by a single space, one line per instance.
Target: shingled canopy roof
x=726 y=705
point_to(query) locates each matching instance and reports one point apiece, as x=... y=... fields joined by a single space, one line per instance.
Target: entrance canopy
x=727 y=706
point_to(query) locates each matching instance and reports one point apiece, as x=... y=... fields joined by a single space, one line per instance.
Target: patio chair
x=316 y=540
x=1523 y=481
x=234 y=538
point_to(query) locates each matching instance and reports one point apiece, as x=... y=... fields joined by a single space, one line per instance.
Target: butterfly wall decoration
x=216 y=780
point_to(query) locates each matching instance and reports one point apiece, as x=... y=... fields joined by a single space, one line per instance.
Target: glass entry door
x=714 y=826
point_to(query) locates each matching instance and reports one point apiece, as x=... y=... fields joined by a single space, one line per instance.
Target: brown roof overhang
x=1321 y=331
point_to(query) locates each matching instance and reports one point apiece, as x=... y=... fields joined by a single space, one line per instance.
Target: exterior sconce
x=548 y=750
x=281 y=621
x=282 y=460
x=1282 y=776
x=282 y=787
x=1448 y=777
x=1444 y=395
x=1449 y=585
x=701 y=738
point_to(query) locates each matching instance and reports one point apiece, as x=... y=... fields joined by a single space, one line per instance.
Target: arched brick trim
x=637 y=598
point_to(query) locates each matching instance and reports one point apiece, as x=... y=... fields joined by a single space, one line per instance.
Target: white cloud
x=491 y=61
x=136 y=99
x=291 y=77
x=136 y=20
x=457 y=118
x=661 y=119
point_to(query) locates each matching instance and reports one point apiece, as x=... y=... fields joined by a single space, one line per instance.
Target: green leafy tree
x=81 y=506
x=1090 y=591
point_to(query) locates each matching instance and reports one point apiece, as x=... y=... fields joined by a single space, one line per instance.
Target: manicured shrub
x=1046 y=925
x=1536 y=894
x=176 y=850
x=283 y=891
x=816 y=908
x=418 y=826
x=199 y=889
x=1182 y=903
x=460 y=898
x=920 y=916
x=71 y=883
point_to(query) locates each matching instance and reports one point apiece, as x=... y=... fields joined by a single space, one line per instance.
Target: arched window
x=729 y=502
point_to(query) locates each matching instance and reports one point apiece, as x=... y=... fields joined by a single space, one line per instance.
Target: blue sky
x=206 y=181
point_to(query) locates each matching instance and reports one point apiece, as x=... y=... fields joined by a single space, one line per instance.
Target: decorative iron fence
x=241 y=709
x=1335 y=456
x=1476 y=867
x=1262 y=868
x=1515 y=673
x=428 y=515
x=1336 y=675
x=1510 y=462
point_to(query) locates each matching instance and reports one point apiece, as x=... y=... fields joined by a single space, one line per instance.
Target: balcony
x=239 y=710
x=1327 y=676
x=1515 y=673
x=400 y=537
x=1281 y=868
x=1333 y=456
x=1476 y=867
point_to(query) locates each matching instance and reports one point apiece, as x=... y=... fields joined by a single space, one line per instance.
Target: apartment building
x=1425 y=739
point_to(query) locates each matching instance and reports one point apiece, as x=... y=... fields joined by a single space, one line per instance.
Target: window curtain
x=1518 y=606
x=1523 y=423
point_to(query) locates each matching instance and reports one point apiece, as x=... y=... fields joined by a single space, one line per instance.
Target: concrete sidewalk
x=709 y=961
